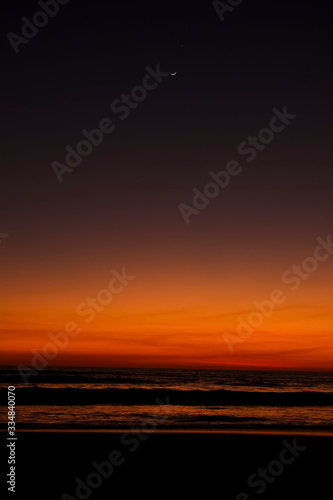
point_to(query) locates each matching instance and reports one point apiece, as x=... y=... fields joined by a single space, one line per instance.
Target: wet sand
x=170 y=464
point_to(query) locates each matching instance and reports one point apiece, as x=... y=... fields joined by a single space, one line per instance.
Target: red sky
x=119 y=207
x=174 y=313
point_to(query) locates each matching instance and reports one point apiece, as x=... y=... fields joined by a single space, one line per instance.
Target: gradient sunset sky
x=119 y=207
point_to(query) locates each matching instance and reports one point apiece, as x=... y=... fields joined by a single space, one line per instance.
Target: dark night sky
x=120 y=206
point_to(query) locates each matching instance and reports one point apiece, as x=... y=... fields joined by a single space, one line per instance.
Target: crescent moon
x=173 y=74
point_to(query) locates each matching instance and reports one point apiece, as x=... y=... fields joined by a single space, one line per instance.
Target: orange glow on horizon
x=167 y=318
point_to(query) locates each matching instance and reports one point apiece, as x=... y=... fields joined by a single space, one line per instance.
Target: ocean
x=179 y=399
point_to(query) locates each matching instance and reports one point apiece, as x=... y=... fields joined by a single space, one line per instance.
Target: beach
x=171 y=464
x=105 y=433
x=166 y=250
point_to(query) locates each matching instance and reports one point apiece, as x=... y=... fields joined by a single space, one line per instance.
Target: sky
x=197 y=264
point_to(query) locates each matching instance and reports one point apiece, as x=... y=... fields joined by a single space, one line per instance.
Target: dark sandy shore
x=171 y=465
